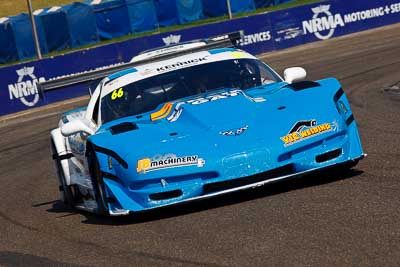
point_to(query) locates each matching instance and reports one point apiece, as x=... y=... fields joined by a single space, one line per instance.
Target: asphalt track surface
x=326 y=219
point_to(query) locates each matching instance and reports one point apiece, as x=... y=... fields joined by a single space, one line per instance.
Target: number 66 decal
x=118 y=93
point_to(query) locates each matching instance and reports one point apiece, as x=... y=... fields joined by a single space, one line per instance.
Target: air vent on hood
x=123 y=127
x=303 y=85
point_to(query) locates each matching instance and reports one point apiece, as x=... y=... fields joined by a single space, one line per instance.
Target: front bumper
x=116 y=211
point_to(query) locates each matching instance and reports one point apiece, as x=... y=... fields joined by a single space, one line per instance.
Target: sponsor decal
x=254 y=38
x=223 y=95
x=289 y=33
x=160 y=162
x=162 y=113
x=214 y=97
x=147 y=72
x=306 y=129
x=25 y=89
x=181 y=64
x=177 y=112
x=342 y=107
x=234 y=132
x=171 y=39
x=238 y=54
x=323 y=23
x=163 y=182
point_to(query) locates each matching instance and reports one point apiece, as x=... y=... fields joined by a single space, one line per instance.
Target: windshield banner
x=263 y=33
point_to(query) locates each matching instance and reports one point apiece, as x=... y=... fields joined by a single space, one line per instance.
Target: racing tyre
x=66 y=192
x=97 y=182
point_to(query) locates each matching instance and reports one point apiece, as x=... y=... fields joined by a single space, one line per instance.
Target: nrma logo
x=26 y=88
x=323 y=22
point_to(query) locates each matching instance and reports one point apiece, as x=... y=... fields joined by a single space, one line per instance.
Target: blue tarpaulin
x=142 y=15
x=8 y=49
x=268 y=3
x=173 y=12
x=264 y=3
x=69 y=26
x=167 y=12
x=81 y=24
x=55 y=26
x=16 y=39
x=189 y=10
x=239 y=6
x=111 y=18
x=216 y=8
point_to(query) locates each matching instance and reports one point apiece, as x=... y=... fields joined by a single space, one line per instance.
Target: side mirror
x=74 y=127
x=295 y=74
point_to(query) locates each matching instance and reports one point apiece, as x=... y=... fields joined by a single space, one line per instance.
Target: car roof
x=122 y=78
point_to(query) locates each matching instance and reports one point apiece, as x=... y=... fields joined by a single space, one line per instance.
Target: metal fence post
x=228 y=4
x=34 y=31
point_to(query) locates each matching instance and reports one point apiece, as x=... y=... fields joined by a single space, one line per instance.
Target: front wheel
x=97 y=182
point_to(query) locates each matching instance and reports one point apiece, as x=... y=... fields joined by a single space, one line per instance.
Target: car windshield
x=145 y=95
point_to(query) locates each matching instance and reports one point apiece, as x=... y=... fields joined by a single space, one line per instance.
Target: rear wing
x=220 y=41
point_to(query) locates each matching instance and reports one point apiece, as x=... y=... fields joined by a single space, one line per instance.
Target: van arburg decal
x=305 y=129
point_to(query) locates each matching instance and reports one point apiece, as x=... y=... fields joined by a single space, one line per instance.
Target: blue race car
x=193 y=121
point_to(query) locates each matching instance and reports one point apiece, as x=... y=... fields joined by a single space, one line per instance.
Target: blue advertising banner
x=263 y=33
x=325 y=20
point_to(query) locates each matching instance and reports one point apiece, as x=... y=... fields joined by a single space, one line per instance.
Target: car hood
x=229 y=125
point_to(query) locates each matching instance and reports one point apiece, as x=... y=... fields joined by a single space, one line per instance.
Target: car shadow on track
x=15 y=259
x=312 y=180
x=59 y=207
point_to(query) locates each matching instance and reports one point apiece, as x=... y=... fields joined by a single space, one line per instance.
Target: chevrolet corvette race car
x=193 y=121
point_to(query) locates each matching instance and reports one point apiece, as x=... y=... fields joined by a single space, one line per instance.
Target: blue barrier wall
x=264 y=32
